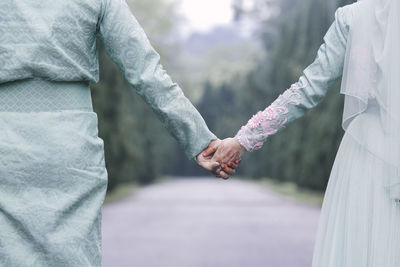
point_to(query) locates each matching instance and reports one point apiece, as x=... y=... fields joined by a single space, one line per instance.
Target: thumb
x=214 y=166
x=209 y=151
x=208 y=164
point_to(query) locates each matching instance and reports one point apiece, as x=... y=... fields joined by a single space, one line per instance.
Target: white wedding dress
x=360 y=219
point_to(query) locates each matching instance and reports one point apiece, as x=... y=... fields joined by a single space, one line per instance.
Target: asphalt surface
x=205 y=222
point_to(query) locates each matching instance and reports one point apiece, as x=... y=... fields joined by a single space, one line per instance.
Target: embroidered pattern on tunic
x=269 y=121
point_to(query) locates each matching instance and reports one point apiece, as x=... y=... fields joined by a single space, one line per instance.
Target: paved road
x=208 y=223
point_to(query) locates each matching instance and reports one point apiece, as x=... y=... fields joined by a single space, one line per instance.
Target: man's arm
x=128 y=46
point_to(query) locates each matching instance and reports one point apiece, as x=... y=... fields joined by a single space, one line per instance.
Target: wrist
x=241 y=145
x=242 y=150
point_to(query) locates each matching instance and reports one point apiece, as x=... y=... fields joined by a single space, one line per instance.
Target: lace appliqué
x=269 y=121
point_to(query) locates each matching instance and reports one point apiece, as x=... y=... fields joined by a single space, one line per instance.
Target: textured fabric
x=311 y=88
x=359 y=224
x=53 y=181
x=53 y=177
x=359 y=83
x=56 y=40
x=35 y=94
x=374 y=43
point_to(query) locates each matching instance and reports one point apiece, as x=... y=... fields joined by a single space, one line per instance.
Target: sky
x=203 y=15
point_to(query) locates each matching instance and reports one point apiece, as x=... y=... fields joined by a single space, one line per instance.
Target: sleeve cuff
x=202 y=144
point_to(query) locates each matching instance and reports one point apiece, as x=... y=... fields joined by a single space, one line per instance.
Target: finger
x=209 y=151
x=232 y=165
x=216 y=170
x=218 y=176
x=209 y=166
x=229 y=171
x=214 y=165
x=224 y=175
x=225 y=168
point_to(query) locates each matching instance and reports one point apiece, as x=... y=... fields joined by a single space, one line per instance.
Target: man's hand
x=228 y=153
x=205 y=160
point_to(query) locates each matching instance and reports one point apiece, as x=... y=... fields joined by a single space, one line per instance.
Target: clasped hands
x=221 y=157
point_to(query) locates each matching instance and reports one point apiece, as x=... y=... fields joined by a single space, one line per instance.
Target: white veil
x=371 y=76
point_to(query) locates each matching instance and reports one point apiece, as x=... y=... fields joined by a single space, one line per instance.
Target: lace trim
x=269 y=121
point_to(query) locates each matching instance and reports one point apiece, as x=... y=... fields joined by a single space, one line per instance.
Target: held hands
x=206 y=161
x=222 y=157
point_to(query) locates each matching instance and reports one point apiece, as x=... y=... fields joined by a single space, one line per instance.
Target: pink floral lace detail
x=269 y=121
x=255 y=120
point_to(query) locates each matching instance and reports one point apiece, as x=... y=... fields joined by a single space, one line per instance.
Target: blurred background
x=231 y=58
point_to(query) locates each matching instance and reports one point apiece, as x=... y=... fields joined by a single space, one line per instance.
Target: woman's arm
x=128 y=46
x=302 y=96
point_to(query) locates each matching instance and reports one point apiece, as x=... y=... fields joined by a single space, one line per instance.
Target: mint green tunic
x=56 y=40
x=52 y=173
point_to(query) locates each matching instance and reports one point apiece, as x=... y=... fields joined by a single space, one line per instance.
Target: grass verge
x=294 y=192
x=125 y=190
x=121 y=192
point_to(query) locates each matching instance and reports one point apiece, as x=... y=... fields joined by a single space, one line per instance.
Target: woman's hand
x=228 y=153
x=206 y=161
